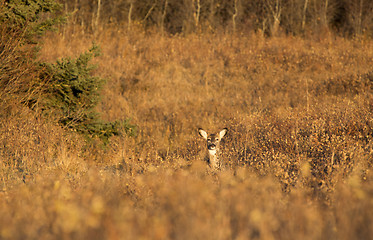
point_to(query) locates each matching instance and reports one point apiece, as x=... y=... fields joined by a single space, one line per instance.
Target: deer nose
x=211 y=146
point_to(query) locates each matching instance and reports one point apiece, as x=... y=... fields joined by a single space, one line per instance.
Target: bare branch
x=150 y=11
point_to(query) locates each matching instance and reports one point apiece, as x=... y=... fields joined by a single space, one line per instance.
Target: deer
x=213 y=146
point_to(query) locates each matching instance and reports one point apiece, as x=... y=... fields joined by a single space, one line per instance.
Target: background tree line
x=294 y=17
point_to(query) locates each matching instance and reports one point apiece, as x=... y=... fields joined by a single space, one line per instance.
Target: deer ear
x=222 y=133
x=202 y=133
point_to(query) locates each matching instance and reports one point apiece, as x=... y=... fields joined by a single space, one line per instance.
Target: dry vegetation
x=298 y=156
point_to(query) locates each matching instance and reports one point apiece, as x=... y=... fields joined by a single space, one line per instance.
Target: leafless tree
x=360 y=15
x=269 y=16
x=275 y=9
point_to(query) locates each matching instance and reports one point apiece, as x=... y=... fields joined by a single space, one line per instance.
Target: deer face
x=213 y=140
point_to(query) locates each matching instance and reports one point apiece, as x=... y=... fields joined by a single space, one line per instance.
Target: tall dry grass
x=298 y=155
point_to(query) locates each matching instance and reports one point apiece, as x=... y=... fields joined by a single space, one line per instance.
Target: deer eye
x=216 y=139
x=208 y=139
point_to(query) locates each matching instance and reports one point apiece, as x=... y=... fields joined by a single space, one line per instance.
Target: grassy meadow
x=297 y=158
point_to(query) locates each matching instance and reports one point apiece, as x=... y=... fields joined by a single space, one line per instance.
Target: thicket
x=271 y=17
x=65 y=91
x=20 y=26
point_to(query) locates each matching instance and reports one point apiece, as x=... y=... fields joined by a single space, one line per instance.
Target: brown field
x=298 y=155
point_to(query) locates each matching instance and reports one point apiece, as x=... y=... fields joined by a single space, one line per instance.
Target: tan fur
x=213 y=146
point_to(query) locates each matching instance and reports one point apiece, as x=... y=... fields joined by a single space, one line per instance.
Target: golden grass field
x=298 y=155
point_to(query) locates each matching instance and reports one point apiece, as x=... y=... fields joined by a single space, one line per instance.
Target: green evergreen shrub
x=72 y=93
x=31 y=16
x=66 y=90
x=21 y=24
